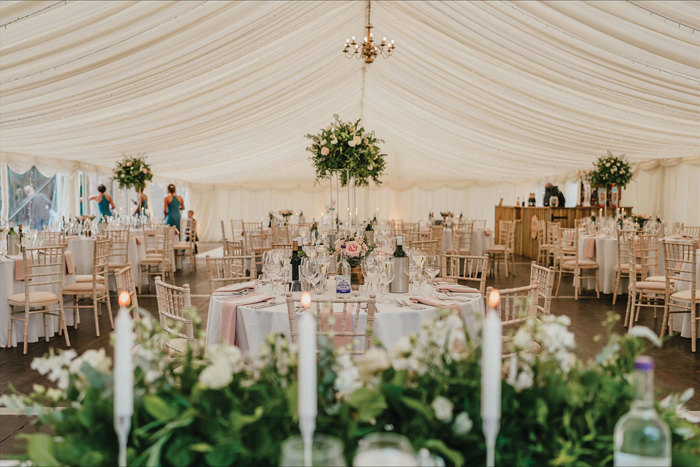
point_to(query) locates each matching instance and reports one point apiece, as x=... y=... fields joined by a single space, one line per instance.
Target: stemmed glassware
x=386 y=275
x=324 y=264
x=310 y=272
x=270 y=267
x=432 y=266
x=370 y=271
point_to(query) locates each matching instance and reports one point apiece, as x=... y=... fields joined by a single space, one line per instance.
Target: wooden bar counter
x=525 y=239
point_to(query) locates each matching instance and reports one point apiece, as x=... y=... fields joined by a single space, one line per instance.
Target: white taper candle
x=491 y=375
x=123 y=374
x=307 y=381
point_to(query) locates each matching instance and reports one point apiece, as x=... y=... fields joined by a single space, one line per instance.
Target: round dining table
x=481 y=241
x=392 y=320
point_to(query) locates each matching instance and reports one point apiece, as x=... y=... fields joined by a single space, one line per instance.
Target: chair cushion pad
x=656 y=279
x=622 y=267
x=685 y=295
x=83 y=288
x=35 y=298
x=582 y=263
x=651 y=285
x=87 y=278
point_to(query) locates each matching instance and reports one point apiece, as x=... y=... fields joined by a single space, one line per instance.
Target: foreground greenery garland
x=223 y=408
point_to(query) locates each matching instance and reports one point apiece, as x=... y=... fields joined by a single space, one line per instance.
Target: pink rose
x=144 y=171
x=325 y=151
x=353 y=249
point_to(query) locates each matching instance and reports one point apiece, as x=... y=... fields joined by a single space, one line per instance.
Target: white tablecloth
x=82 y=249
x=681 y=321
x=390 y=321
x=10 y=286
x=479 y=245
x=606 y=257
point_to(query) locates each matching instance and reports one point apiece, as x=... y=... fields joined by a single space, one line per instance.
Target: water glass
x=384 y=449
x=325 y=450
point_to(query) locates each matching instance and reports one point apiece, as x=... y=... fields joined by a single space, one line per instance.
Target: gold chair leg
x=95 y=307
x=617 y=284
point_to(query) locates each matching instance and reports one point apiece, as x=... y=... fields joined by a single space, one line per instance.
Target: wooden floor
x=676 y=367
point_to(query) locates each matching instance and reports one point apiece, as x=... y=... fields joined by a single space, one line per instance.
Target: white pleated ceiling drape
x=223 y=92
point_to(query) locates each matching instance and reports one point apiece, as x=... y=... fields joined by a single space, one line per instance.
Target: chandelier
x=368 y=49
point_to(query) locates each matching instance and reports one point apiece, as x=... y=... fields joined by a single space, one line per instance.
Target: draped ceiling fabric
x=222 y=93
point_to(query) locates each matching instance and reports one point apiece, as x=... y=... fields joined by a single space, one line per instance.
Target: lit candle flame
x=306 y=300
x=494 y=298
x=124 y=299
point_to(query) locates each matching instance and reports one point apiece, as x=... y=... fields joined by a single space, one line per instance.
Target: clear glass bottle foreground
x=641 y=437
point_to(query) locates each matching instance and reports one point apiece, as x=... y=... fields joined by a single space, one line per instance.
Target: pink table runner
x=229 y=310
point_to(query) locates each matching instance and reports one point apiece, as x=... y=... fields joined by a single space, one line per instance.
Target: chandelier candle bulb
x=491 y=375
x=123 y=374
x=307 y=398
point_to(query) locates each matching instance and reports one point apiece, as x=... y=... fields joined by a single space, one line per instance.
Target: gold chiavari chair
x=43 y=269
x=471 y=269
x=517 y=305
x=641 y=256
x=544 y=278
x=342 y=327
x=229 y=270
x=234 y=248
x=187 y=244
x=503 y=251
x=172 y=301
x=682 y=293
x=125 y=282
x=95 y=291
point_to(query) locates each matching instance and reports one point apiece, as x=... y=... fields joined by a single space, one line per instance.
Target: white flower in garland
x=462 y=424
x=442 y=407
x=217 y=375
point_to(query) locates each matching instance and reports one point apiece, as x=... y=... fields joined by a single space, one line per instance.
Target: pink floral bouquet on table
x=355 y=249
x=285 y=213
x=447 y=214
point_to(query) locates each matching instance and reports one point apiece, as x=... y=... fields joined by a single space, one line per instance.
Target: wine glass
x=309 y=272
x=432 y=266
x=386 y=275
x=325 y=450
x=370 y=272
x=324 y=264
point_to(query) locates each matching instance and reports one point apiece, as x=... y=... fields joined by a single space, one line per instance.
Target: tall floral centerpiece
x=133 y=172
x=610 y=174
x=349 y=154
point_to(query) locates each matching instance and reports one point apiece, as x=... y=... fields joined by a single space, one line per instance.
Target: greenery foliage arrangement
x=223 y=408
x=133 y=172
x=610 y=169
x=348 y=150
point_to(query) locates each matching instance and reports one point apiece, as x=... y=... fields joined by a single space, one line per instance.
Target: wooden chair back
x=517 y=305
x=233 y=248
x=471 y=269
x=124 y=278
x=229 y=270
x=462 y=237
x=119 y=238
x=171 y=302
x=429 y=247
x=544 y=278
x=344 y=327
x=44 y=267
x=46 y=238
x=680 y=264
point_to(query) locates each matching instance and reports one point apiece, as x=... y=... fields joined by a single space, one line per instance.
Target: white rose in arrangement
x=217 y=375
x=462 y=424
x=357 y=140
x=351 y=143
x=373 y=361
x=334 y=141
x=442 y=408
x=323 y=142
x=128 y=164
x=402 y=347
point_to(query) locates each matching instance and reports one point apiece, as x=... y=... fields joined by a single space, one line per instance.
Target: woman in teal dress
x=104 y=202
x=173 y=205
x=141 y=205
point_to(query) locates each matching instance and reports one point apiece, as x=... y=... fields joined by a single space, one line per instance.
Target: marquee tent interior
x=481 y=100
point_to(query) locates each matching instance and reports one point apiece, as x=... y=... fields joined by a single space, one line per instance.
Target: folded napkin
x=70 y=267
x=138 y=240
x=338 y=341
x=229 y=310
x=487 y=232
x=240 y=287
x=456 y=288
x=19 y=267
x=430 y=301
x=589 y=248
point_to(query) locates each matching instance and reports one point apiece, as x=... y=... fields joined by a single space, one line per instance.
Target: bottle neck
x=643 y=390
